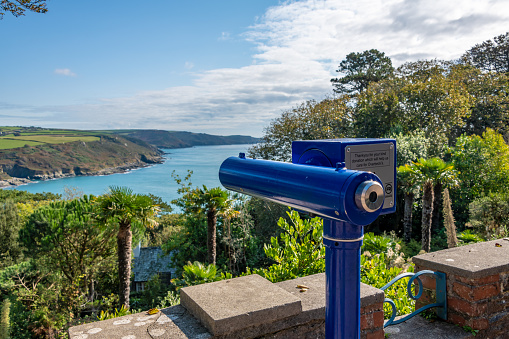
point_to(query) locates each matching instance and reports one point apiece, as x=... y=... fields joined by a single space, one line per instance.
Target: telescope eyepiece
x=369 y=196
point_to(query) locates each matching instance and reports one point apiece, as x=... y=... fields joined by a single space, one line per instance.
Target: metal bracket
x=441 y=295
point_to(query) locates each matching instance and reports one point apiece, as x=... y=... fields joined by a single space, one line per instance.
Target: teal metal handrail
x=441 y=296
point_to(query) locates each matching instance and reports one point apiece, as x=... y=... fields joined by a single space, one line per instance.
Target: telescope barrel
x=355 y=197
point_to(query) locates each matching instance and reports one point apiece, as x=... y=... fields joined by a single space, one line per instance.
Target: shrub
x=489 y=215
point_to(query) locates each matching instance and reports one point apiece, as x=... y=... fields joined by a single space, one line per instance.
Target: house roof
x=149 y=262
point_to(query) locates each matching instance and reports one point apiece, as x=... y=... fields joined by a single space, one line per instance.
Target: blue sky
x=219 y=67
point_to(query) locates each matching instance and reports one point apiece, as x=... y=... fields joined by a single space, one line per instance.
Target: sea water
x=204 y=161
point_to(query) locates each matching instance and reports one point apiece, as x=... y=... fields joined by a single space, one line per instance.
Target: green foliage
x=467 y=237
x=212 y=202
x=422 y=97
x=298 y=251
x=489 y=215
x=428 y=174
x=376 y=272
x=21 y=319
x=362 y=69
x=66 y=236
x=10 y=224
x=122 y=206
x=470 y=330
x=490 y=105
x=327 y=119
x=125 y=209
x=41 y=306
x=4 y=319
x=265 y=215
x=415 y=145
x=156 y=294
x=236 y=247
x=377 y=243
x=18 y=196
x=482 y=163
x=196 y=273
x=411 y=248
x=104 y=315
x=167 y=228
x=490 y=55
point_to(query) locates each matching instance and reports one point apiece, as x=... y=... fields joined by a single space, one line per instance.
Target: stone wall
x=253 y=307
x=477 y=285
x=245 y=307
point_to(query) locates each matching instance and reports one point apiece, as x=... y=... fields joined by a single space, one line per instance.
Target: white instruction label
x=378 y=159
x=361 y=160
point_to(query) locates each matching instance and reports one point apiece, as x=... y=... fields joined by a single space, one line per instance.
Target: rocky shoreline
x=14 y=181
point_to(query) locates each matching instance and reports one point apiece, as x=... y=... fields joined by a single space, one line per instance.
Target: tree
x=429 y=172
x=490 y=215
x=490 y=101
x=422 y=96
x=490 y=55
x=65 y=236
x=19 y=7
x=10 y=224
x=450 y=225
x=415 y=145
x=121 y=207
x=407 y=181
x=211 y=202
x=360 y=70
x=329 y=118
x=483 y=166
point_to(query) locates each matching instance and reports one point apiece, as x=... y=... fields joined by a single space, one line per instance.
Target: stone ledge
x=177 y=322
x=471 y=261
x=231 y=305
x=309 y=322
x=172 y=322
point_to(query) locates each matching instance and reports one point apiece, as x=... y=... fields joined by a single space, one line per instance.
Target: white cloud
x=224 y=36
x=299 y=46
x=189 y=65
x=65 y=71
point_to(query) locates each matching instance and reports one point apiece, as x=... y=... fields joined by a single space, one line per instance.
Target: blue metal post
x=343 y=279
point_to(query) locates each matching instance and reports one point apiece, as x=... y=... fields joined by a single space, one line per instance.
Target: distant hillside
x=175 y=139
x=48 y=154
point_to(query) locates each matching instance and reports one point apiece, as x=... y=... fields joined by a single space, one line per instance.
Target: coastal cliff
x=110 y=154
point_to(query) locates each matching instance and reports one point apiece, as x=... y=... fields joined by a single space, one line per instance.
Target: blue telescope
x=348 y=182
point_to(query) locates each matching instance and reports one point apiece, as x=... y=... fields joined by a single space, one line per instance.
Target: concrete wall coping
x=245 y=307
x=234 y=304
x=471 y=261
x=233 y=308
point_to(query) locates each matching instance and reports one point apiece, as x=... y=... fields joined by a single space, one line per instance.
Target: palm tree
x=214 y=201
x=122 y=207
x=408 y=182
x=429 y=172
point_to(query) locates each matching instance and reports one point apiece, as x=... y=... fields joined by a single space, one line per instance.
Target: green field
x=10 y=143
x=54 y=139
x=14 y=137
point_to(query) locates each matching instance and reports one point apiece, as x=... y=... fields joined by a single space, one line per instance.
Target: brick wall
x=372 y=321
x=477 y=286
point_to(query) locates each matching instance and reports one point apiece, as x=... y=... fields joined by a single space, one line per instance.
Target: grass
x=56 y=139
x=10 y=141
x=13 y=143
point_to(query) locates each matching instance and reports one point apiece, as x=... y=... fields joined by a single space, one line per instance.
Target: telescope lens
x=369 y=196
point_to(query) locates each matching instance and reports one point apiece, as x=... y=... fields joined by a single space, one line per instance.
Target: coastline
x=15 y=181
